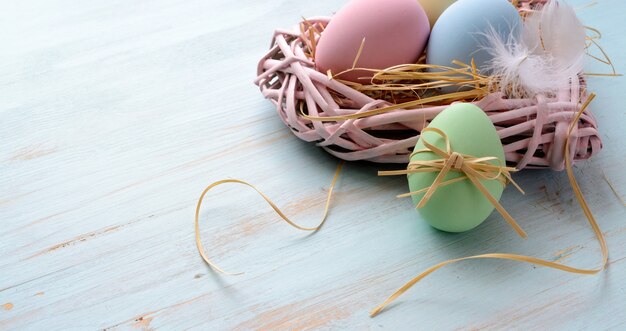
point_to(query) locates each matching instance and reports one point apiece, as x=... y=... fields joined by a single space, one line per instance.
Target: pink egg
x=395 y=32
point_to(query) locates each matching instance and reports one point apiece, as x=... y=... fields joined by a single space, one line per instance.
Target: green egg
x=459 y=206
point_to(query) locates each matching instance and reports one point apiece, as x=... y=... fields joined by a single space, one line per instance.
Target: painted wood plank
x=115 y=115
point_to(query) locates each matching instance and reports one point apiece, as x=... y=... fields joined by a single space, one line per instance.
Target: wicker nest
x=532 y=131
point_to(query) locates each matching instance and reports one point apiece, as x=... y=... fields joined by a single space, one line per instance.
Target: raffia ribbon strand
x=523 y=258
x=472 y=168
x=270 y=202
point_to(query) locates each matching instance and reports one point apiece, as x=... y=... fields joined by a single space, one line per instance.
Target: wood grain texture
x=114 y=115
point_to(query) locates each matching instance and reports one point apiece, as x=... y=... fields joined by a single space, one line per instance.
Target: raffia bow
x=472 y=168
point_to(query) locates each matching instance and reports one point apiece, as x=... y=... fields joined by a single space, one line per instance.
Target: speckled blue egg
x=457 y=34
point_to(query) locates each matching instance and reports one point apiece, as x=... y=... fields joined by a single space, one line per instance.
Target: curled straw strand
x=270 y=202
x=523 y=258
x=455 y=162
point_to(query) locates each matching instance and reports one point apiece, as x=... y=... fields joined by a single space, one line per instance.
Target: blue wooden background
x=114 y=115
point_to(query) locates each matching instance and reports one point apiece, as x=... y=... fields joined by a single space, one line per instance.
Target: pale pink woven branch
x=533 y=132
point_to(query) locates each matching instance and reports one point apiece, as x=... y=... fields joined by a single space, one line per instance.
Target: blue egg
x=458 y=33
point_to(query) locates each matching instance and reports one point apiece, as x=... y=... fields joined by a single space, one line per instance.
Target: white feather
x=556 y=30
x=544 y=57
